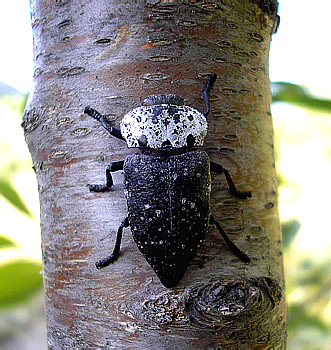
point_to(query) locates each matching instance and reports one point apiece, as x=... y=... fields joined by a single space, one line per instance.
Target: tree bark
x=110 y=55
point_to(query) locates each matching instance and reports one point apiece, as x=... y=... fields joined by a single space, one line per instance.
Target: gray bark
x=110 y=55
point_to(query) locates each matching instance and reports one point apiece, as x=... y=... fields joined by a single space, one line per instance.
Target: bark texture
x=110 y=55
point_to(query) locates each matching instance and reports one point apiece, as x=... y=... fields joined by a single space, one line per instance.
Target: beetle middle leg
x=112 y=257
x=114 y=166
x=235 y=250
x=218 y=169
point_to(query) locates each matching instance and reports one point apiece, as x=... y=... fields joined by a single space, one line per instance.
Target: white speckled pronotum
x=164 y=124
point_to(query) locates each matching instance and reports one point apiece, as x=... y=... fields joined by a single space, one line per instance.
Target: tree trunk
x=110 y=55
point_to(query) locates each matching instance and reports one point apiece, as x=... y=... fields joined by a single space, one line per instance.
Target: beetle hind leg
x=114 y=255
x=114 y=166
x=235 y=250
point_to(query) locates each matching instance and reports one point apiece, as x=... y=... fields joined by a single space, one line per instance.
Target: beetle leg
x=103 y=120
x=218 y=169
x=235 y=250
x=114 y=166
x=205 y=93
x=112 y=257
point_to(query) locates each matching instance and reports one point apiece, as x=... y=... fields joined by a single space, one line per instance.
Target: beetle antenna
x=103 y=120
x=205 y=93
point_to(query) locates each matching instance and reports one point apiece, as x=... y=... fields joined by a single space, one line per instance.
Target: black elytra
x=167 y=184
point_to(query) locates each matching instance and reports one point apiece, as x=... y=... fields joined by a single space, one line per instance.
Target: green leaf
x=23 y=103
x=298 y=95
x=289 y=230
x=19 y=279
x=6 y=242
x=12 y=196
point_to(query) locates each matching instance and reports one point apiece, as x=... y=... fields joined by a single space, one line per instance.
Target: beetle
x=167 y=184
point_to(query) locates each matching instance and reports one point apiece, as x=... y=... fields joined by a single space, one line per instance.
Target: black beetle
x=167 y=185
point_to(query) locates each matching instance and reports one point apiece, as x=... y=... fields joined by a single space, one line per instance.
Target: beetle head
x=164 y=123
x=168 y=99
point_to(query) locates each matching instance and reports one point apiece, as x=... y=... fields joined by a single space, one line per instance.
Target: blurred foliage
x=308 y=296
x=307 y=278
x=289 y=230
x=299 y=96
x=19 y=277
x=12 y=196
x=314 y=281
x=6 y=242
x=19 y=280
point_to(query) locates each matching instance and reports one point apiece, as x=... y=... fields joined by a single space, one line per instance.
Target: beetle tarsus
x=99 y=188
x=105 y=262
x=235 y=250
x=232 y=187
x=241 y=194
x=114 y=166
x=114 y=255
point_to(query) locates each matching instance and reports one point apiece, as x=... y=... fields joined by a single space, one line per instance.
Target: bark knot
x=231 y=302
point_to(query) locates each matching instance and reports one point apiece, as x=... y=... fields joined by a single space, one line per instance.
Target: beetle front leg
x=112 y=257
x=114 y=166
x=218 y=169
x=235 y=250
